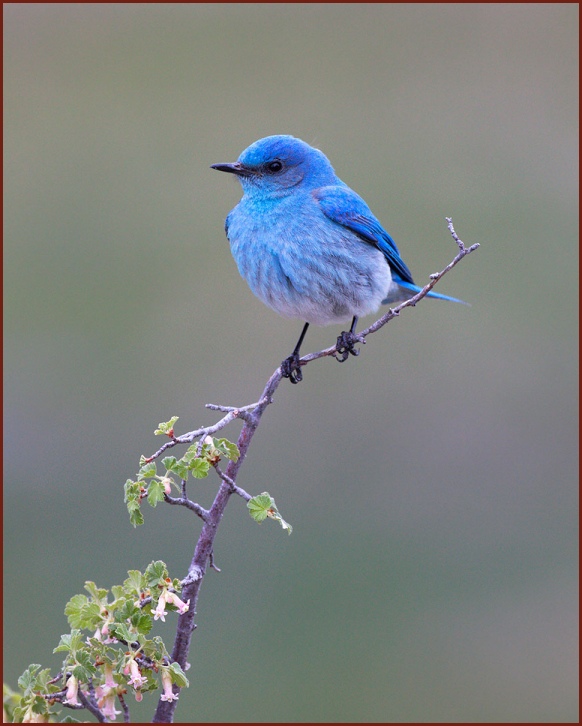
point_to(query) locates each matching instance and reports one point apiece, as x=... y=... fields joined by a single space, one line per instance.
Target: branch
x=184 y=501
x=90 y=704
x=236 y=489
x=251 y=416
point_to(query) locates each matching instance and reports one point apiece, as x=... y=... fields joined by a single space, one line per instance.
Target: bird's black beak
x=234 y=168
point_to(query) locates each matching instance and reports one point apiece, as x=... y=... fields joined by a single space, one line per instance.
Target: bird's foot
x=291 y=369
x=345 y=345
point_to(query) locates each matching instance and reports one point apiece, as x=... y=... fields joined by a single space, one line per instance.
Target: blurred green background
x=432 y=572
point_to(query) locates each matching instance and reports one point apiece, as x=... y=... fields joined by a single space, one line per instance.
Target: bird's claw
x=345 y=345
x=291 y=369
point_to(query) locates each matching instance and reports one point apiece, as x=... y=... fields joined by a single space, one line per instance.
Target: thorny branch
x=251 y=416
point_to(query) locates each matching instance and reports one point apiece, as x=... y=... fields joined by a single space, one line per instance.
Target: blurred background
x=432 y=483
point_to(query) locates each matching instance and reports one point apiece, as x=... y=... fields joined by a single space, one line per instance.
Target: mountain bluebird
x=308 y=246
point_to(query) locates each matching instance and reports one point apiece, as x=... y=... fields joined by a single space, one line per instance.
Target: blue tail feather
x=404 y=286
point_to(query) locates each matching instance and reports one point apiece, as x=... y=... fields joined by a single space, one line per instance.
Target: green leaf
x=135 y=516
x=181 y=468
x=178 y=466
x=81 y=613
x=84 y=668
x=126 y=611
x=199 y=468
x=117 y=591
x=229 y=449
x=135 y=582
x=39 y=705
x=155 y=492
x=178 y=675
x=70 y=642
x=259 y=506
x=166 y=426
x=169 y=462
x=133 y=501
x=42 y=681
x=18 y=709
x=273 y=513
x=11 y=700
x=132 y=490
x=142 y=622
x=121 y=632
x=99 y=594
x=156 y=574
x=263 y=506
x=177 y=585
x=154 y=648
x=27 y=680
x=19 y=713
x=147 y=471
x=192 y=453
x=74 y=610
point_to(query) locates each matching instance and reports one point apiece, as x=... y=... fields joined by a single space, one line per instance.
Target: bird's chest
x=304 y=265
x=270 y=229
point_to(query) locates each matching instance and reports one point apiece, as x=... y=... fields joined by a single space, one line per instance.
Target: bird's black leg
x=346 y=341
x=290 y=367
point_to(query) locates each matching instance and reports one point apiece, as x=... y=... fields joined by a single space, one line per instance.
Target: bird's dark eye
x=274 y=166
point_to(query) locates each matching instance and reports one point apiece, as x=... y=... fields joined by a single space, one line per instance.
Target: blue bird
x=308 y=246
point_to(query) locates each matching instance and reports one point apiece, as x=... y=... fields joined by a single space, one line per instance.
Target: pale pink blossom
x=31 y=717
x=106 y=702
x=105 y=632
x=168 y=694
x=72 y=688
x=160 y=611
x=136 y=680
x=109 y=682
x=97 y=635
x=173 y=599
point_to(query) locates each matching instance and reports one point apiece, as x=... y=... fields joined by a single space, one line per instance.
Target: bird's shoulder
x=338 y=200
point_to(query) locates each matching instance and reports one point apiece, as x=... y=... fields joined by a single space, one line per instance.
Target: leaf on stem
x=263 y=506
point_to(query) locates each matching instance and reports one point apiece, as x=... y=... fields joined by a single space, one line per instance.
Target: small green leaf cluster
x=166 y=428
x=263 y=506
x=114 y=656
x=154 y=487
x=28 y=705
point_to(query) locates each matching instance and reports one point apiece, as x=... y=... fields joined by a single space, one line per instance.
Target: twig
x=124 y=708
x=191 y=436
x=189 y=504
x=211 y=563
x=235 y=489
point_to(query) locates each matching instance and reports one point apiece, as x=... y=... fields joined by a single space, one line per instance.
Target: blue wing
x=343 y=206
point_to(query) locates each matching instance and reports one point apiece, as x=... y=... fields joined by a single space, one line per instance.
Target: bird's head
x=274 y=165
